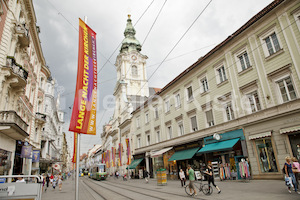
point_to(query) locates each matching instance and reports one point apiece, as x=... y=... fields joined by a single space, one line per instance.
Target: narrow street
x=137 y=189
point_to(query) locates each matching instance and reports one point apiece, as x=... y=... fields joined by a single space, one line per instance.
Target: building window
x=254 y=101
x=189 y=93
x=36 y=134
x=148 y=139
x=157 y=136
x=138 y=141
x=167 y=106
x=194 y=123
x=266 y=155
x=147 y=118
x=138 y=122
x=244 y=61
x=272 y=43
x=209 y=118
x=203 y=85
x=156 y=112
x=58 y=141
x=177 y=101
x=229 y=111
x=221 y=74
x=180 y=129
x=287 y=89
x=134 y=70
x=169 y=130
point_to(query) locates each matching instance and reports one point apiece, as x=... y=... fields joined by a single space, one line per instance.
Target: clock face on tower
x=133 y=57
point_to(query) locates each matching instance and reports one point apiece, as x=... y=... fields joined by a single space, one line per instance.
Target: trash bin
x=161 y=177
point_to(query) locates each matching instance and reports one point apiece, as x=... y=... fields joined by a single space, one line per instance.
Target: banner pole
x=77 y=168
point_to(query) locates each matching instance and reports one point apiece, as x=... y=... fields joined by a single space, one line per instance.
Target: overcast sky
x=58 y=21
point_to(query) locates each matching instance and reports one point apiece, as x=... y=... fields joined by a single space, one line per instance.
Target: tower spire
x=130 y=43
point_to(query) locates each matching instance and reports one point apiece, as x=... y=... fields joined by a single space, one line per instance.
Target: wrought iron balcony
x=23 y=36
x=12 y=125
x=17 y=72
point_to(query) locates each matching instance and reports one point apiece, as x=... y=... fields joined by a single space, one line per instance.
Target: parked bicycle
x=205 y=188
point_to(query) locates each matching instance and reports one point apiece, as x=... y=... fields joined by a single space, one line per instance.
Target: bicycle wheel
x=187 y=190
x=207 y=189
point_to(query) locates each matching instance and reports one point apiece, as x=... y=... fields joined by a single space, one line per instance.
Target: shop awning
x=185 y=154
x=290 y=129
x=260 y=135
x=219 y=146
x=135 y=163
x=160 y=152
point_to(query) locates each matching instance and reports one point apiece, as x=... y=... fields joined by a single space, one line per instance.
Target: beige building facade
x=237 y=106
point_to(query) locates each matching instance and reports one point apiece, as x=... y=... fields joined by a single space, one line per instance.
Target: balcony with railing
x=17 y=74
x=12 y=125
x=40 y=118
x=23 y=35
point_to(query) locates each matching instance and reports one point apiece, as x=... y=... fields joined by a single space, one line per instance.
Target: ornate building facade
x=238 y=103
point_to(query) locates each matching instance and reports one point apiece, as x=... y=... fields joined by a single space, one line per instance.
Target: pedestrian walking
x=146 y=174
x=190 y=172
x=289 y=175
x=296 y=170
x=211 y=178
x=47 y=182
x=54 y=183
x=182 y=177
x=59 y=181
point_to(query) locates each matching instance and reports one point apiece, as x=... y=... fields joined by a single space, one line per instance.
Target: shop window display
x=266 y=155
x=5 y=162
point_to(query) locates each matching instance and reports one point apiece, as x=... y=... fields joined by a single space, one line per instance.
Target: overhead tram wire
x=177 y=43
x=121 y=41
x=154 y=22
x=111 y=79
x=171 y=49
x=107 y=60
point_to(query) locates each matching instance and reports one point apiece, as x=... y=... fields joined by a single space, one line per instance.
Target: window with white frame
x=272 y=43
x=189 y=91
x=209 y=118
x=221 y=74
x=203 y=85
x=297 y=18
x=177 y=100
x=244 y=62
x=167 y=106
x=134 y=70
x=229 y=111
x=180 y=129
x=194 y=123
x=147 y=117
x=148 y=141
x=286 y=88
x=169 y=132
x=156 y=112
x=36 y=134
x=138 y=141
x=138 y=125
x=158 y=136
x=254 y=101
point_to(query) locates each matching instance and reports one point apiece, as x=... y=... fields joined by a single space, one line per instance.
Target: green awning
x=219 y=146
x=135 y=163
x=185 y=154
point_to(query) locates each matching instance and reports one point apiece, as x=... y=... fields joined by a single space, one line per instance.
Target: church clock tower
x=132 y=83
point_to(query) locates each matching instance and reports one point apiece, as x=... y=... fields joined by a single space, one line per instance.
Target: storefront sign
x=35 y=156
x=26 y=151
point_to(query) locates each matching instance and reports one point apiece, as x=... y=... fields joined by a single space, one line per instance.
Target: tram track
x=105 y=197
x=129 y=187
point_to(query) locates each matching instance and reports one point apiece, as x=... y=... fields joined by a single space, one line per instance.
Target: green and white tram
x=98 y=172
